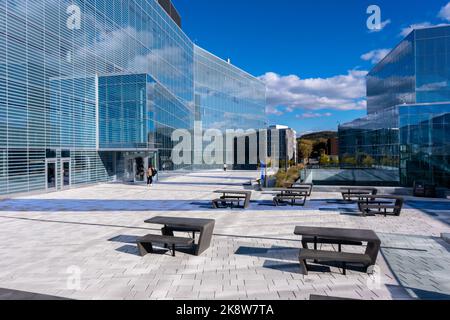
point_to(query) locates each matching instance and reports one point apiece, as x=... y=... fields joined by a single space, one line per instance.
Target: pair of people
x=151 y=173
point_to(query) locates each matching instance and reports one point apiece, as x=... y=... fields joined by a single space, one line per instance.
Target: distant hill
x=320 y=135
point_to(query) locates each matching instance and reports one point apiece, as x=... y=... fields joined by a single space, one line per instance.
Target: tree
x=320 y=147
x=305 y=148
x=324 y=160
x=349 y=161
x=368 y=162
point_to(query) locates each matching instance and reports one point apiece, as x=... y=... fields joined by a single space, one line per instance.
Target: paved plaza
x=80 y=244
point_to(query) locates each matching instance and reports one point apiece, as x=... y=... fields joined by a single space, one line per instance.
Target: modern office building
x=408 y=123
x=91 y=91
x=286 y=152
x=227 y=98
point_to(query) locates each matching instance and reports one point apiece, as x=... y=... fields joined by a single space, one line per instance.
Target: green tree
x=349 y=161
x=320 y=147
x=305 y=149
x=368 y=162
x=324 y=160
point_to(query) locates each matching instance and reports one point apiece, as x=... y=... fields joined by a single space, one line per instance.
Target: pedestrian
x=150 y=175
x=225 y=167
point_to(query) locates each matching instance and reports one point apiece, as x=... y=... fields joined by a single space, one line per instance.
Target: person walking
x=150 y=175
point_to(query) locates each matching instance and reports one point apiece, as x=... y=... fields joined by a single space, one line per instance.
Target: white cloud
x=445 y=12
x=341 y=92
x=382 y=26
x=312 y=115
x=375 y=56
x=273 y=110
x=406 y=31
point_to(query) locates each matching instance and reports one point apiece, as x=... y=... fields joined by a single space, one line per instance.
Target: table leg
x=373 y=249
x=315 y=247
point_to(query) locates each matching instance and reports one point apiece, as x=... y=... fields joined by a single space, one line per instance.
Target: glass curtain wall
x=50 y=55
x=227 y=97
x=425 y=144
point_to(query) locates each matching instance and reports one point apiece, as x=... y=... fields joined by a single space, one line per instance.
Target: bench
x=232 y=197
x=290 y=197
x=145 y=244
x=169 y=230
x=351 y=194
x=340 y=243
x=385 y=205
x=303 y=186
x=329 y=256
x=227 y=201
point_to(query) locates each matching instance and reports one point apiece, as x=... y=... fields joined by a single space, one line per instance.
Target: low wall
x=350 y=177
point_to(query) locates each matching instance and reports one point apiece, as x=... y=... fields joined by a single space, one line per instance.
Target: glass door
x=50 y=175
x=139 y=170
x=65 y=173
x=129 y=170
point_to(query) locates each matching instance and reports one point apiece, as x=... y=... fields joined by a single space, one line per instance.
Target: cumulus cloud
x=445 y=12
x=312 y=115
x=375 y=56
x=341 y=92
x=406 y=31
x=273 y=110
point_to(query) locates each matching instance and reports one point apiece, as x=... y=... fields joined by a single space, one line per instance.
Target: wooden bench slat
x=331 y=241
x=330 y=256
x=383 y=206
x=165 y=239
x=306 y=254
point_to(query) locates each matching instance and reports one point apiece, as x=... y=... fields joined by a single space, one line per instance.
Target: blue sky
x=313 y=55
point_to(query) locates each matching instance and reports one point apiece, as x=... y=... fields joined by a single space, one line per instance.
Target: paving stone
x=253 y=253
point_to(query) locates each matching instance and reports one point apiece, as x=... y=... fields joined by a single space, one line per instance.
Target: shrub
x=289 y=177
x=324 y=160
x=368 y=162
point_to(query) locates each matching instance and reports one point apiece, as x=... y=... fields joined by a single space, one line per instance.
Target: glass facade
x=433 y=65
x=408 y=96
x=392 y=81
x=80 y=76
x=227 y=97
x=375 y=136
x=425 y=144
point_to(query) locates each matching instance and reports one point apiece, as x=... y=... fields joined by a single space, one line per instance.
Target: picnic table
x=350 y=193
x=369 y=258
x=302 y=186
x=192 y=225
x=232 y=197
x=380 y=204
x=293 y=194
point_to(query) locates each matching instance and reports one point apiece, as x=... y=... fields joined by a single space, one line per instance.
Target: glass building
x=227 y=98
x=91 y=90
x=408 y=103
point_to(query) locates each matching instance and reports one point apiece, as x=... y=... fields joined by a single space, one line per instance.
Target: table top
x=180 y=222
x=339 y=234
x=233 y=192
